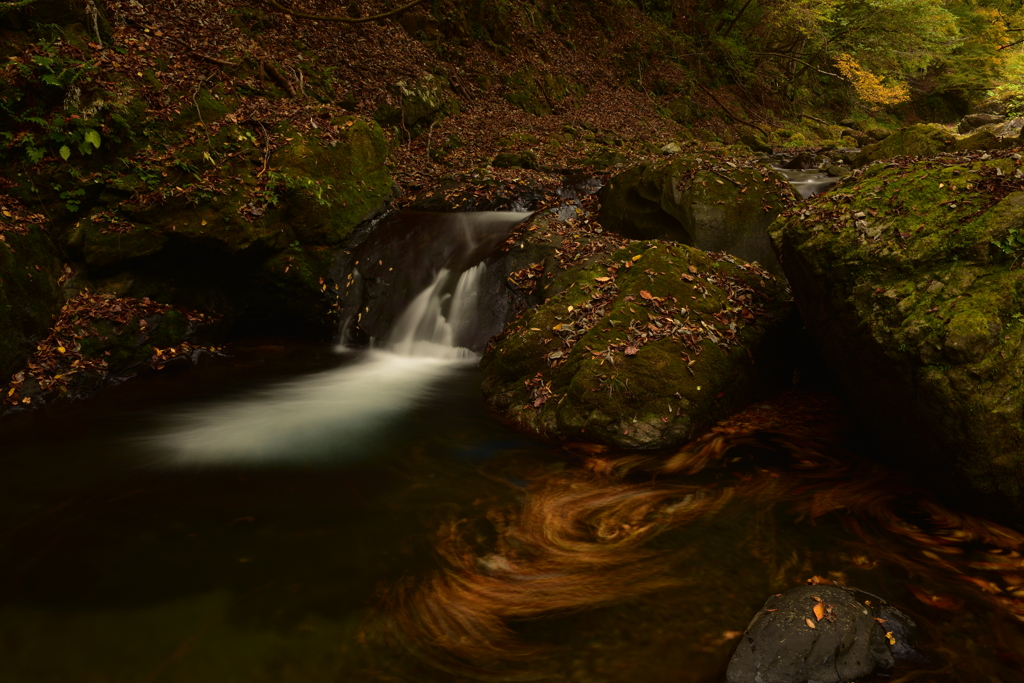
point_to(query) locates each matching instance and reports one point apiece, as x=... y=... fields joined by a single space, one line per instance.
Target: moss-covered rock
x=982 y=139
x=538 y=93
x=183 y=232
x=642 y=348
x=908 y=279
x=30 y=293
x=919 y=140
x=715 y=208
x=414 y=105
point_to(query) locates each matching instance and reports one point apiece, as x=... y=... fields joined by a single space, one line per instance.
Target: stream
x=306 y=512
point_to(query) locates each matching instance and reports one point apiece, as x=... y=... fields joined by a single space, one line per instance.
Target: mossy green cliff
x=909 y=280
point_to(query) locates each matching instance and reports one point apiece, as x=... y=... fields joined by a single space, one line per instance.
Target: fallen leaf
x=602 y=279
x=692 y=269
x=631 y=350
x=810 y=623
x=819 y=611
x=638 y=257
x=644 y=294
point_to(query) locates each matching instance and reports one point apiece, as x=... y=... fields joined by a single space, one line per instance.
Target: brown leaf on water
x=819 y=581
x=940 y=601
x=819 y=611
x=810 y=623
x=645 y=294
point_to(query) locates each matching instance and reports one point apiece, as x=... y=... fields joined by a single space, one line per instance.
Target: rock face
x=788 y=642
x=641 y=348
x=911 y=289
x=693 y=202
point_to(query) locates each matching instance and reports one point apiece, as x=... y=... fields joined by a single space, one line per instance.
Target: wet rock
x=911 y=294
x=790 y=642
x=837 y=171
x=640 y=348
x=685 y=200
x=802 y=161
x=972 y=121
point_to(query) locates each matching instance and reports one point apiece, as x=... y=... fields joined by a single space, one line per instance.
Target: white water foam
x=339 y=411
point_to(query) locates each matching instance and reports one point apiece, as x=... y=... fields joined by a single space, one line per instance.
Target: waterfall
x=424 y=329
x=342 y=412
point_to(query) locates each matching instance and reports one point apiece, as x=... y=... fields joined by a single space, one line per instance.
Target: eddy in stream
x=623 y=530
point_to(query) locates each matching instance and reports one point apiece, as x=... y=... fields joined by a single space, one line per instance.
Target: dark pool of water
x=116 y=565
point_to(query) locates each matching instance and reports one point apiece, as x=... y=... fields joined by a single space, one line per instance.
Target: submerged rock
x=694 y=202
x=912 y=290
x=641 y=348
x=819 y=634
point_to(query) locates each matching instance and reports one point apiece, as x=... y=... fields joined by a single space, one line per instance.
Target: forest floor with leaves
x=185 y=47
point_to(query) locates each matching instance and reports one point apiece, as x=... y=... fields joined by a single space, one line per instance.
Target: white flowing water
x=339 y=412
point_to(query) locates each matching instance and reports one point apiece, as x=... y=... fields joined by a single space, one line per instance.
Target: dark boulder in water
x=824 y=634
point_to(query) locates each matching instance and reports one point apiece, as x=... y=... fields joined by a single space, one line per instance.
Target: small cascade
x=342 y=412
x=435 y=322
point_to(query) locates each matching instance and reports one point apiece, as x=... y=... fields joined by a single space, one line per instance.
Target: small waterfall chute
x=340 y=412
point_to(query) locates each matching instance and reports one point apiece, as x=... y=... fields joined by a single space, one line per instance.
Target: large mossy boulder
x=30 y=292
x=257 y=245
x=642 y=348
x=919 y=140
x=909 y=281
x=714 y=207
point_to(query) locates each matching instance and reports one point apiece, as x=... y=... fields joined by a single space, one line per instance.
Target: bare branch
x=345 y=20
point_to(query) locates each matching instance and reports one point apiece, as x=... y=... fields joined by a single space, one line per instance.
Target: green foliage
x=50 y=105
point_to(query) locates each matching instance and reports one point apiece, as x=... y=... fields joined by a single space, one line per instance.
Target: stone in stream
x=819 y=634
x=641 y=348
x=908 y=279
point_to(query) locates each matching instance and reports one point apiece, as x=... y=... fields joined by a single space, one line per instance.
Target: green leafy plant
x=41 y=106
